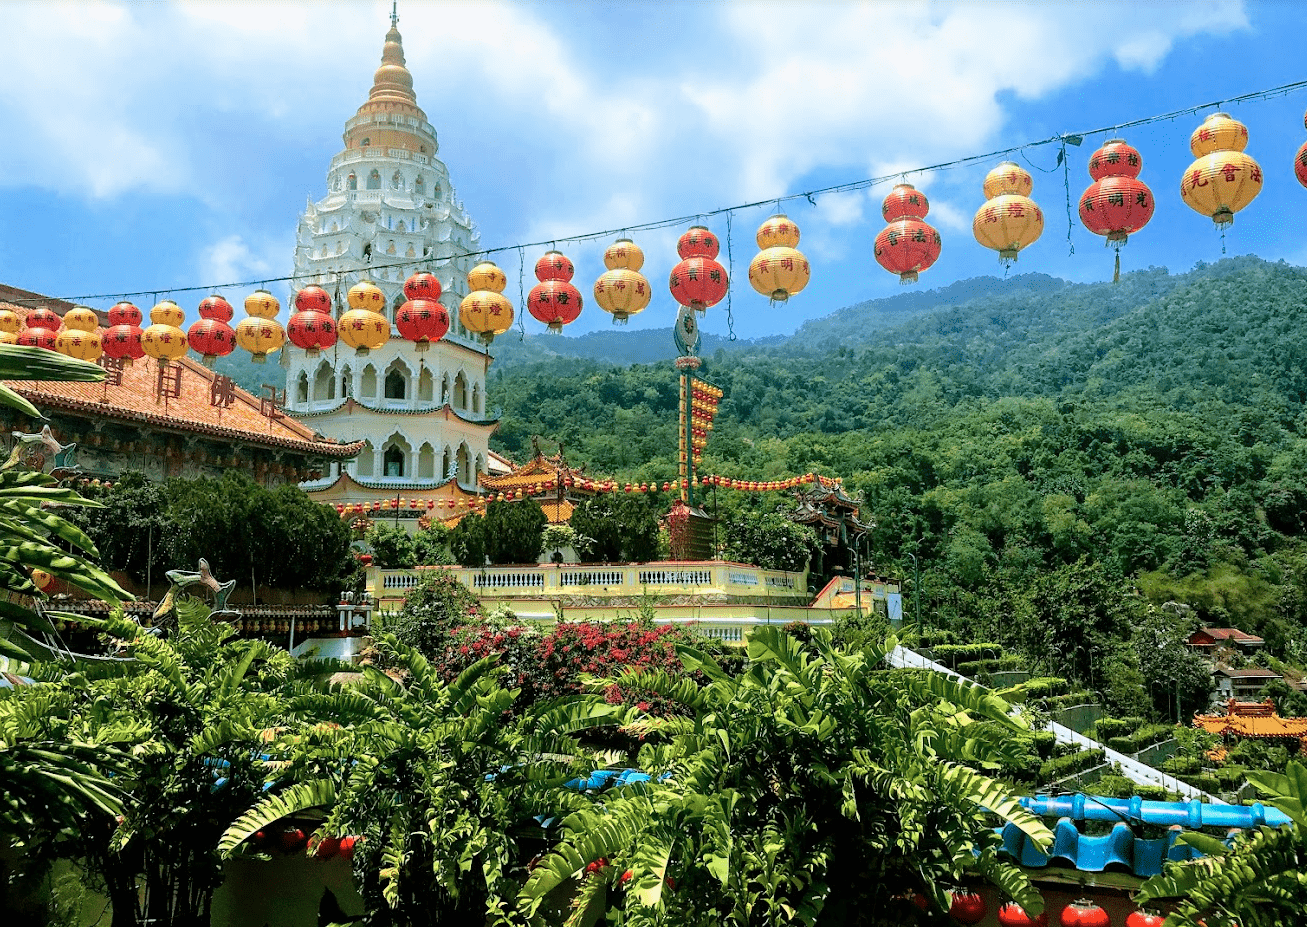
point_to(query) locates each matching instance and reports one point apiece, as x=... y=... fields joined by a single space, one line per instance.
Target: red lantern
x=698 y=281
x=311 y=327
x=122 y=340
x=1013 y=915
x=422 y=321
x=554 y=300
x=292 y=839
x=346 y=849
x=1083 y=913
x=1117 y=203
x=327 y=848
x=907 y=245
x=1143 y=919
x=211 y=335
x=1300 y=160
x=37 y=336
x=967 y=907
x=422 y=285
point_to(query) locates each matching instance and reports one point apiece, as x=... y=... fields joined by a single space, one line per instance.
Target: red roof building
x=1211 y=639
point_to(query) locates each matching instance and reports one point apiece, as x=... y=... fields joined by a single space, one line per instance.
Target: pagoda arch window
x=426 y=462
x=394 y=307
x=420 y=184
x=481 y=465
x=446 y=462
x=396 y=384
x=374 y=180
x=476 y=397
x=324 y=384
x=460 y=392
x=393 y=460
x=346 y=383
x=396 y=181
x=363 y=463
x=426 y=385
x=353 y=182
x=436 y=190
x=444 y=389
x=302 y=387
x=368 y=388
x=464 y=464
x=395 y=457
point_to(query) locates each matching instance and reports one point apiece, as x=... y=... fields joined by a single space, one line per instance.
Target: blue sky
x=155 y=146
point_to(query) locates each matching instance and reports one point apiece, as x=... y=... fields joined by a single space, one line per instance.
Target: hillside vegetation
x=1021 y=437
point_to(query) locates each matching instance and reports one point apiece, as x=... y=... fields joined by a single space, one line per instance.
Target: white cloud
x=232 y=259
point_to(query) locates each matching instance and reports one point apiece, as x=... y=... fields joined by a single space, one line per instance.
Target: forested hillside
x=1024 y=435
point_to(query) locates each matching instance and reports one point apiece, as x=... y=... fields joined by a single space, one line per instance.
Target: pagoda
x=390 y=211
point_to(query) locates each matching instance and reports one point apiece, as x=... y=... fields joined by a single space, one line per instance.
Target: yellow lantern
x=364 y=326
x=1223 y=179
x=260 y=333
x=10 y=326
x=779 y=270
x=164 y=340
x=486 y=311
x=80 y=337
x=622 y=291
x=1010 y=220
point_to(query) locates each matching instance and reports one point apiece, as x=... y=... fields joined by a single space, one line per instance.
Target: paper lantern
x=42 y=329
x=1013 y=915
x=698 y=282
x=311 y=327
x=779 y=270
x=906 y=246
x=554 y=300
x=622 y=291
x=1223 y=179
x=422 y=321
x=485 y=311
x=1144 y=919
x=81 y=335
x=423 y=285
x=164 y=339
x=260 y=334
x=1009 y=221
x=1117 y=204
x=1300 y=160
x=364 y=326
x=211 y=335
x=1084 y=914
x=122 y=340
x=10 y=325
x=967 y=907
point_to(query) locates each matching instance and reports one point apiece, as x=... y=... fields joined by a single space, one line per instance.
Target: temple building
x=422 y=417
x=187 y=422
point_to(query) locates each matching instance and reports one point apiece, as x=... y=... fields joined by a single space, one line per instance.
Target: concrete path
x=1134 y=770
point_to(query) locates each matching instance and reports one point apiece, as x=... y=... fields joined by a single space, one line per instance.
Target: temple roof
x=1252 y=719
x=133 y=401
x=537 y=471
x=350 y=403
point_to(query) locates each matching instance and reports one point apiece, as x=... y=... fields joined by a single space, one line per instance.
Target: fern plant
x=816 y=788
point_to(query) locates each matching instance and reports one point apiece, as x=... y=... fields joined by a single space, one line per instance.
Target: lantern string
x=521 y=295
x=1066 y=183
x=810 y=195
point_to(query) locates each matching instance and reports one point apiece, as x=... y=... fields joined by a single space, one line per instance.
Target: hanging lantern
x=906 y=246
x=164 y=340
x=42 y=329
x=1144 y=919
x=967 y=907
x=486 y=311
x=81 y=335
x=122 y=340
x=422 y=321
x=1300 y=161
x=1013 y=915
x=311 y=327
x=1082 y=913
x=260 y=334
x=698 y=282
x=779 y=270
x=10 y=324
x=364 y=326
x=622 y=290
x=1224 y=179
x=212 y=336
x=1009 y=220
x=423 y=285
x=554 y=300
x=1117 y=204
x=42 y=580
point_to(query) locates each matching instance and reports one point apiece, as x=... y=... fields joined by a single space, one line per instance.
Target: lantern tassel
x=1116 y=277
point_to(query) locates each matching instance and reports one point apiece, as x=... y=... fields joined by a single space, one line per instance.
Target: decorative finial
x=394 y=14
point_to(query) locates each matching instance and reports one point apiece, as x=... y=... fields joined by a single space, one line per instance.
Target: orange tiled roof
x=1252 y=719
x=558 y=513
x=134 y=401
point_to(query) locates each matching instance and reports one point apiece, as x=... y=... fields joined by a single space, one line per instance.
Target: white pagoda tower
x=390 y=208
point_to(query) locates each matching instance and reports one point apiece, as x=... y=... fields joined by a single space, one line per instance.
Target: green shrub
x=1144 y=737
x=1045 y=743
x=1062 y=766
x=953 y=654
x=1107 y=728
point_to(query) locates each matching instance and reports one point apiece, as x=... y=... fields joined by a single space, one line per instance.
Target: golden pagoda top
x=392 y=93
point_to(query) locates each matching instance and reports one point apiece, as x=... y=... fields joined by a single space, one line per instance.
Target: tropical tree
x=818 y=787
x=1258 y=881
x=439 y=789
x=770 y=540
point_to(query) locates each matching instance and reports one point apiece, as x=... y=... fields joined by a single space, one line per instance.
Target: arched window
x=446 y=462
x=368 y=388
x=346 y=383
x=324 y=385
x=464 y=464
x=444 y=389
x=302 y=388
x=476 y=398
x=394 y=461
x=374 y=180
x=460 y=392
x=395 y=385
x=426 y=462
x=419 y=185
x=394 y=307
x=481 y=465
x=396 y=181
x=363 y=463
x=352 y=183
x=426 y=385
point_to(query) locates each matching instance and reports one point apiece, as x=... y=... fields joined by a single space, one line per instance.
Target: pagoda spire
x=392 y=82
x=394 y=14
